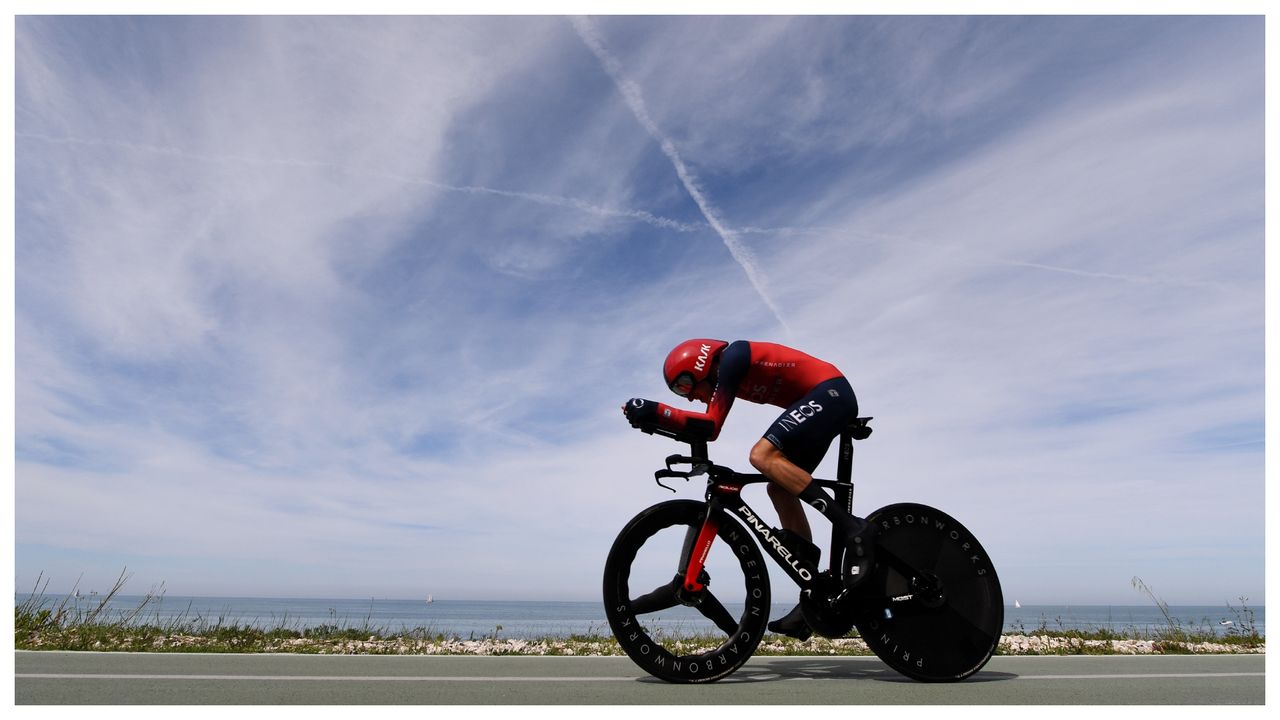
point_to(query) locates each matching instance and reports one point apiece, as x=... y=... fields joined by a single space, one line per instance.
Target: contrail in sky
x=540 y=198
x=740 y=253
x=631 y=94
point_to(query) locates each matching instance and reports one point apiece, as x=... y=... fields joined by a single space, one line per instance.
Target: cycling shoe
x=792 y=624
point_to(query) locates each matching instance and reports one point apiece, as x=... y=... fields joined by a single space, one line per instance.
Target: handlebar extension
x=697 y=457
x=697 y=443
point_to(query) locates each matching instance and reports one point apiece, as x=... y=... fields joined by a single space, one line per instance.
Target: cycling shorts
x=804 y=431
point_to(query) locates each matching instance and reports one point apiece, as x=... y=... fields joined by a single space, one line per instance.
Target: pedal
x=825 y=608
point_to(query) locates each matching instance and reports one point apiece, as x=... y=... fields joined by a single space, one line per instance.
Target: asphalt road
x=47 y=678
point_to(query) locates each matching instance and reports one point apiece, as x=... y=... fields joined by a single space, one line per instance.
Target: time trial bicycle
x=931 y=607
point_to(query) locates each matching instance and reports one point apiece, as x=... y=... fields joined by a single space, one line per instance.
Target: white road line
x=470 y=678
x=1126 y=676
x=340 y=678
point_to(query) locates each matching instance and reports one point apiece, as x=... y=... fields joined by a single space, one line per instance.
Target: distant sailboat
x=430 y=599
x=1017 y=604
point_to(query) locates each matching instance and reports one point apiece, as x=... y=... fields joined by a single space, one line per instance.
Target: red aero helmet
x=690 y=363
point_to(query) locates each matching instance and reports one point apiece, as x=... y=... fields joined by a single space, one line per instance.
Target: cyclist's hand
x=640 y=412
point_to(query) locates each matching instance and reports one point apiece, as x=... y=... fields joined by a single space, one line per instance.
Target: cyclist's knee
x=763 y=455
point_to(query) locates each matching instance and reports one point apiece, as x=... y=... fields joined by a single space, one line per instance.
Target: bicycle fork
x=693 y=559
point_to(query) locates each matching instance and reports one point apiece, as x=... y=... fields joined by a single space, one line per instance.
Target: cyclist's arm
x=734 y=363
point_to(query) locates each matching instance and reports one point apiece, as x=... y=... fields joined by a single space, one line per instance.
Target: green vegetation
x=1242 y=631
x=75 y=623
x=1172 y=637
x=42 y=624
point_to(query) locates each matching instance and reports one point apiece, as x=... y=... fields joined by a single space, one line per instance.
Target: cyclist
x=818 y=403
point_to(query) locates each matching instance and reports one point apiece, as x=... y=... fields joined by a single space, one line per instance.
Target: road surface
x=174 y=679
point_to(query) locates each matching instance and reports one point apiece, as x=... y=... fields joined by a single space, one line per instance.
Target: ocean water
x=529 y=620
x=1127 y=618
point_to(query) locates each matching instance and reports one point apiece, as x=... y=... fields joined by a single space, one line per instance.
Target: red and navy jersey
x=759 y=372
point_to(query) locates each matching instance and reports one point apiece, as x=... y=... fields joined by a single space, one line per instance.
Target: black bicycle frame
x=724 y=488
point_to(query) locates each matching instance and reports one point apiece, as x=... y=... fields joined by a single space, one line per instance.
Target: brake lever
x=659 y=474
x=697 y=466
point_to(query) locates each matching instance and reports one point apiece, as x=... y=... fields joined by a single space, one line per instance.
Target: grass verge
x=42 y=623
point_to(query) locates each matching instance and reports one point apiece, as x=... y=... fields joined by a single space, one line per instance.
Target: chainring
x=828 y=617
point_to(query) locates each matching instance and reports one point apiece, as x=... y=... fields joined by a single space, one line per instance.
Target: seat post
x=844 y=471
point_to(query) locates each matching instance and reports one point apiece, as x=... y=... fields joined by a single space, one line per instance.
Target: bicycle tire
x=926 y=636
x=665 y=657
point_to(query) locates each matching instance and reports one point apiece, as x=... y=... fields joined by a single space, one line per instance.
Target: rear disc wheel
x=939 y=611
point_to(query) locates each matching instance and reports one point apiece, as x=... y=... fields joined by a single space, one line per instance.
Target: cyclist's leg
x=790 y=509
x=784 y=475
x=791 y=449
x=786 y=480
x=791 y=483
x=801 y=435
x=770 y=460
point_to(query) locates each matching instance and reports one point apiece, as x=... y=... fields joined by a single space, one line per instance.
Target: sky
x=347 y=307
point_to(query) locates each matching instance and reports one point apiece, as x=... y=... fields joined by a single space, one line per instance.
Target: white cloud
x=1047 y=327
x=312 y=314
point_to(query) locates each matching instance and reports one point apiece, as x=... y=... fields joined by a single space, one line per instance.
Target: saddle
x=858 y=428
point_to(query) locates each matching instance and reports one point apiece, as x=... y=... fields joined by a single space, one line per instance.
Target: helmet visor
x=682 y=385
